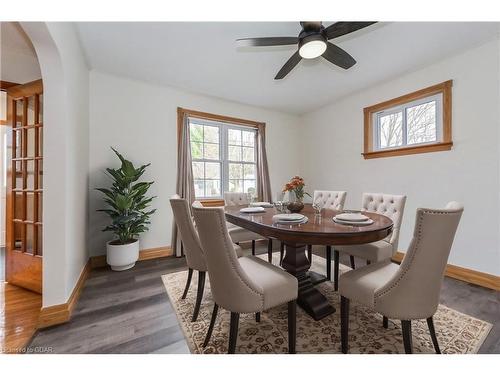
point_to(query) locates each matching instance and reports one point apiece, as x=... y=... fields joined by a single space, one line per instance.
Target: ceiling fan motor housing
x=312 y=32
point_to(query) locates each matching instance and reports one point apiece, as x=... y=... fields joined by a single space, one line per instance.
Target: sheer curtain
x=185 y=183
x=263 y=182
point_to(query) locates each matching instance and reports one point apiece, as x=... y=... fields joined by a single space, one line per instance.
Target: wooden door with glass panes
x=25 y=186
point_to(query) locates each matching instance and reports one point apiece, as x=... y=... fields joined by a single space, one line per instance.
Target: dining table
x=318 y=229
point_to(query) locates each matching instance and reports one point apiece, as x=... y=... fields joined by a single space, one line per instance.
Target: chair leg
x=257 y=317
x=199 y=295
x=329 y=263
x=310 y=253
x=353 y=265
x=233 y=332
x=211 y=326
x=430 y=324
x=188 y=283
x=344 y=324
x=270 y=250
x=406 y=326
x=336 y=263
x=292 y=326
x=253 y=247
x=282 y=252
x=385 y=322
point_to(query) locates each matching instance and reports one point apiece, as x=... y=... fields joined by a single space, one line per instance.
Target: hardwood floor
x=19 y=310
x=129 y=312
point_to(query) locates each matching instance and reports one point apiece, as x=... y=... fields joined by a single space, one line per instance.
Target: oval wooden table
x=319 y=230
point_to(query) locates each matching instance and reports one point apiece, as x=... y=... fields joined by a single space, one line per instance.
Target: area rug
x=456 y=332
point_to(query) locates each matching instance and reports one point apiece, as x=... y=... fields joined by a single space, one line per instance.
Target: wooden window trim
x=446 y=144
x=181 y=112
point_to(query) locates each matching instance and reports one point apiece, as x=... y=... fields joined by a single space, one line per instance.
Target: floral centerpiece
x=296 y=185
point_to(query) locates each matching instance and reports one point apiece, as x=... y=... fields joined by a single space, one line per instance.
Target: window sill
x=212 y=202
x=443 y=146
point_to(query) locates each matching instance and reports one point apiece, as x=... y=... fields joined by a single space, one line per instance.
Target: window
x=414 y=123
x=223 y=156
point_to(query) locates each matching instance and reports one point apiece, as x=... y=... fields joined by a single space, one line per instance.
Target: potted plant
x=128 y=209
x=296 y=186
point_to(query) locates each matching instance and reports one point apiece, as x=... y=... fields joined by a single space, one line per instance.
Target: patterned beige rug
x=456 y=332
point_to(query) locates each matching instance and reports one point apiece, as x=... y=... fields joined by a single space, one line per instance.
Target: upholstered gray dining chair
x=195 y=258
x=409 y=291
x=241 y=285
x=239 y=234
x=389 y=205
x=329 y=200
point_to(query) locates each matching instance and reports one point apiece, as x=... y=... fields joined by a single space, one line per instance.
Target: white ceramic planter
x=122 y=257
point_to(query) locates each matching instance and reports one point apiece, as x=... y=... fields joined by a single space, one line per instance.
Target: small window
x=414 y=123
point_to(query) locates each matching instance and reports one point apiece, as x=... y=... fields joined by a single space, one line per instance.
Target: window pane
x=212 y=170
x=211 y=151
x=248 y=138
x=234 y=153
x=199 y=188
x=249 y=186
x=249 y=171
x=211 y=134
x=390 y=129
x=248 y=154
x=198 y=170
x=212 y=188
x=235 y=171
x=234 y=137
x=236 y=186
x=196 y=132
x=421 y=123
x=196 y=150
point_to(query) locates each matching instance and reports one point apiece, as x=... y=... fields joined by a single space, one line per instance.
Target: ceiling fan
x=312 y=42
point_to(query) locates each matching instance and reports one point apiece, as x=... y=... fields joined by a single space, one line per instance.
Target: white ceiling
x=202 y=57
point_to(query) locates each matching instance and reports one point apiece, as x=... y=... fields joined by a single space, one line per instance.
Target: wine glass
x=318 y=206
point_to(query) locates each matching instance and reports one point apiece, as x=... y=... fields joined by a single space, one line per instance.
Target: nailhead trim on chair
x=408 y=263
x=258 y=293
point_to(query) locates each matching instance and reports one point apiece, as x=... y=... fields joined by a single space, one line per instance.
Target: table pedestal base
x=309 y=298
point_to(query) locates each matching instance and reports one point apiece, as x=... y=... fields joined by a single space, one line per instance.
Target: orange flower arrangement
x=296 y=185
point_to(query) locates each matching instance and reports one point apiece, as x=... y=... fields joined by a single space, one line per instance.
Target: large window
x=414 y=123
x=223 y=157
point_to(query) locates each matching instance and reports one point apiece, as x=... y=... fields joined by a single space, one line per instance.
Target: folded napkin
x=261 y=204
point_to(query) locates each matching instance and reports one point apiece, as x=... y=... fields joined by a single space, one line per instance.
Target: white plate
x=352 y=216
x=261 y=204
x=288 y=217
x=252 y=210
x=292 y=222
x=344 y=222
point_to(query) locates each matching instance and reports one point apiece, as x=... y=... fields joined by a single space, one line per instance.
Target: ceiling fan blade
x=289 y=65
x=271 y=41
x=338 y=56
x=341 y=28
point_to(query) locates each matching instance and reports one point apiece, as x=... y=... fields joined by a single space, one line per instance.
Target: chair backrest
x=236 y=199
x=195 y=258
x=231 y=287
x=389 y=205
x=332 y=200
x=413 y=293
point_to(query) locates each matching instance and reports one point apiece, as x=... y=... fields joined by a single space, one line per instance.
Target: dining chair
x=409 y=291
x=330 y=200
x=195 y=258
x=239 y=234
x=242 y=285
x=388 y=205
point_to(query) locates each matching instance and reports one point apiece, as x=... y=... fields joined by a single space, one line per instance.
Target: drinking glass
x=317 y=206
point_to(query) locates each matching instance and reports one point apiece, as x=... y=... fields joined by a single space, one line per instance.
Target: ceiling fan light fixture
x=312 y=46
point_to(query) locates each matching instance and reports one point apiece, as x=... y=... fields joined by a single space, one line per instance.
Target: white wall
x=140 y=120
x=469 y=173
x=65 y=198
